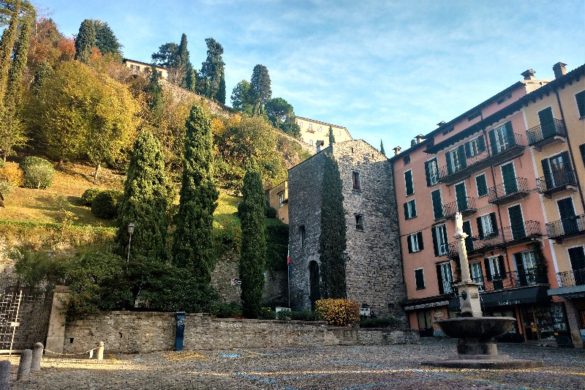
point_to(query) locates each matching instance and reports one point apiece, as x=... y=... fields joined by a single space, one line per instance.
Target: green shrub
x=105 y=204
x=266 y=313
x=338 y=312
x=226 y=310
x=89 y=195
x=38 y=172
x=383 y=322
x=5 y=187
x=302 y=315
x=270 y=212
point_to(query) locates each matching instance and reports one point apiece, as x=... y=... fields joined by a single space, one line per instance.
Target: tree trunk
x=97 y=171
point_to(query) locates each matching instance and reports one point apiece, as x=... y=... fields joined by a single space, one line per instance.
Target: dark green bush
x=226 y=310
x=266 y=313
x=89 y=195
x=382 y=322
x=270 y=212
x=105 y=204
x=303 y=315
x=38 y=172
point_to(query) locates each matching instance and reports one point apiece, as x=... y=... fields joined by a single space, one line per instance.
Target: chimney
x=528 y=74
x=420 y=138
x=397 y=150
x=560 y=70
x=441 y=123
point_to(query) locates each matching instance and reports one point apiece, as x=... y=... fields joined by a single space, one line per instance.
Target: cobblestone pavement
x=339 y=367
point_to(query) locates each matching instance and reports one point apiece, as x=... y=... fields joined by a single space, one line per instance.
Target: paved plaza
x=338 y=367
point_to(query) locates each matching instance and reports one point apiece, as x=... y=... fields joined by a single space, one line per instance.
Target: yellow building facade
x=316 y=133
x=278 y=199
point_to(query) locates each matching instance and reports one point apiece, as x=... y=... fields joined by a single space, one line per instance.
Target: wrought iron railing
x=519 y=232
x=517 y=142
x=541 y=133
x=503 y=191
x=566 y=227
x=574 y=277
x=556 y=180
x=477 y=244
x=465 y=205
x=516 y=279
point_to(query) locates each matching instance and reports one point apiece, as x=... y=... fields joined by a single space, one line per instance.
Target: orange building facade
x=485 y=164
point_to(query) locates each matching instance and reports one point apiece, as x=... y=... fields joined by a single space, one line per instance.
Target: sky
x=386 y=69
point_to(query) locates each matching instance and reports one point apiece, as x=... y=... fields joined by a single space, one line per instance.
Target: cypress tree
x=7 y=43
x=331 y=136
x=212 y=70
x=85 y=40
x=382 y=148
x=11 y=127
x=260 y=88
x=332 y=238
x=253 y=253
x=193 y=242
x=145 y=203
x=220 y=97
x=106 y=40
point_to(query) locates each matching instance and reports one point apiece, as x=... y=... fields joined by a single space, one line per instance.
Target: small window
x=281 y=200
x=406 y=160
x=475 y=147
x=410 y=209
x=359 y=222
x=481 y=184
x=420 y=279
x=580 y=97
x=409 y=185
x=356 y=180
x=432 y=172
x=302 y=235
x=415 y=242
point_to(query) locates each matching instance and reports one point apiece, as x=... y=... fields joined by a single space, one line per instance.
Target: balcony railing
x=541 y=135
x=464 y=205
x=522 y=232
x=493 y=155
x=566 y=227
x=556 y=181
x=517 y=279
x=477 y=244
x=574 y=277
x=507 y=192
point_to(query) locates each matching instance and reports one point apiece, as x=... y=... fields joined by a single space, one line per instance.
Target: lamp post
x=130 y=231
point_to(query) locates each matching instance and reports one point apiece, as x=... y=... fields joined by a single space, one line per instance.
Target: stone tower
x=373 y=266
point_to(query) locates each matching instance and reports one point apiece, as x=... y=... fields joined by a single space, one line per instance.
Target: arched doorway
x=314 y=279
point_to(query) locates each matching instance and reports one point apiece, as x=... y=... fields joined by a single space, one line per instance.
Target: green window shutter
x=420 y=282
x=413 y=208
x=440 y=279
x=406 y=211
x=428 y=173
x=468 y=149
x=449 y=157
x=580 y=97
x=582 y=150
x=546 y=172
x=420 y=241
x=480 y=228
x=435 y=243
x=502 y=265
x=437 y=204
x=488 y=272
x=481 y=144
x=409 y=243
x=492 y=136
x=494 y=222
x=481 y=184
x=408 y=182
x=510 y=134
x=461 y=156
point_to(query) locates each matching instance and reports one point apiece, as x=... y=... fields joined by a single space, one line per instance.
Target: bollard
x=100 y=351
x=4 y=374
x=37 y=357
x=24 y=365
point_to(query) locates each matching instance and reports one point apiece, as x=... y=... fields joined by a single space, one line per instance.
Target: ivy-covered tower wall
x=373 y=261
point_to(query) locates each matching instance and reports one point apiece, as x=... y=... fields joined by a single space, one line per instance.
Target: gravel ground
x=339 y=367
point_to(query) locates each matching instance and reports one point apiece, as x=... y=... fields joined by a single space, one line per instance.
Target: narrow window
x=580 y=97
x=437 y=204
x=415 y=242
x=356 y=180
x=432 y=172
x=281 y=198
x=481 y=184
x=302 y=235
x=410 y=209
x=445 y=278
x=440 y=243
x=420 y=278
x=409 y=185
x=359 y=222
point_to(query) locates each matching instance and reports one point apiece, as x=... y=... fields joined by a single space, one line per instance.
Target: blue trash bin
x=180 y=330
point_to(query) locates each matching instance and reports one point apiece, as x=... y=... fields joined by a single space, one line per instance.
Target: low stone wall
x=140 y=332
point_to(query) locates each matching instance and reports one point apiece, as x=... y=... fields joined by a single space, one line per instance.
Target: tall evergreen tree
x=85 y=40
x=191 y=78
x=12 y=132
x=382 y=148
x=183 y=62
x=253 y=253
x=220 y=96
x=241 y=100
x=7 y=43
x=193 y=243
x=331 y=136
x=147 y=197
x=332 y=239
x=212 y=70
x=260 y=88
x=106 y=40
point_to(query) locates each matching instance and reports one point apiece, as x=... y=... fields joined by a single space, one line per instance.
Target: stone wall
x=374 y=268
x=141 y=332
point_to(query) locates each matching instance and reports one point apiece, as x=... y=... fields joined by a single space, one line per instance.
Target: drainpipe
x=570 y=149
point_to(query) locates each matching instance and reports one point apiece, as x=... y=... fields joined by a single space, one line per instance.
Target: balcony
x=517 y=279
x=508 y=192
x=493 y=155
x=567 y=227
x=572 y=278
x=477 y=245
x=539 y=136
x=560 y=180
x=520 y=233
x=465 y=206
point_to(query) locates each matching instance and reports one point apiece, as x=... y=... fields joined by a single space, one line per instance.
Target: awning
x=520 y=296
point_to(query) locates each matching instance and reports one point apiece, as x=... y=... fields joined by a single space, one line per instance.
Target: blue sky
x=385 y=69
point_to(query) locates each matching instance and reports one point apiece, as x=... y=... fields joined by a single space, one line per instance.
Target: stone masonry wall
x=374 y=267
x=304 y=208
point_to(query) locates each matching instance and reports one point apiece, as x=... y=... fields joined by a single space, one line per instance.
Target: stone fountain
x=476 y=347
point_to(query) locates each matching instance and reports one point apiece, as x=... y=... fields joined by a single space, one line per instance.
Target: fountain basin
x=478 y=328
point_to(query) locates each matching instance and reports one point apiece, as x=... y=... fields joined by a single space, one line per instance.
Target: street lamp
x=130 y=231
